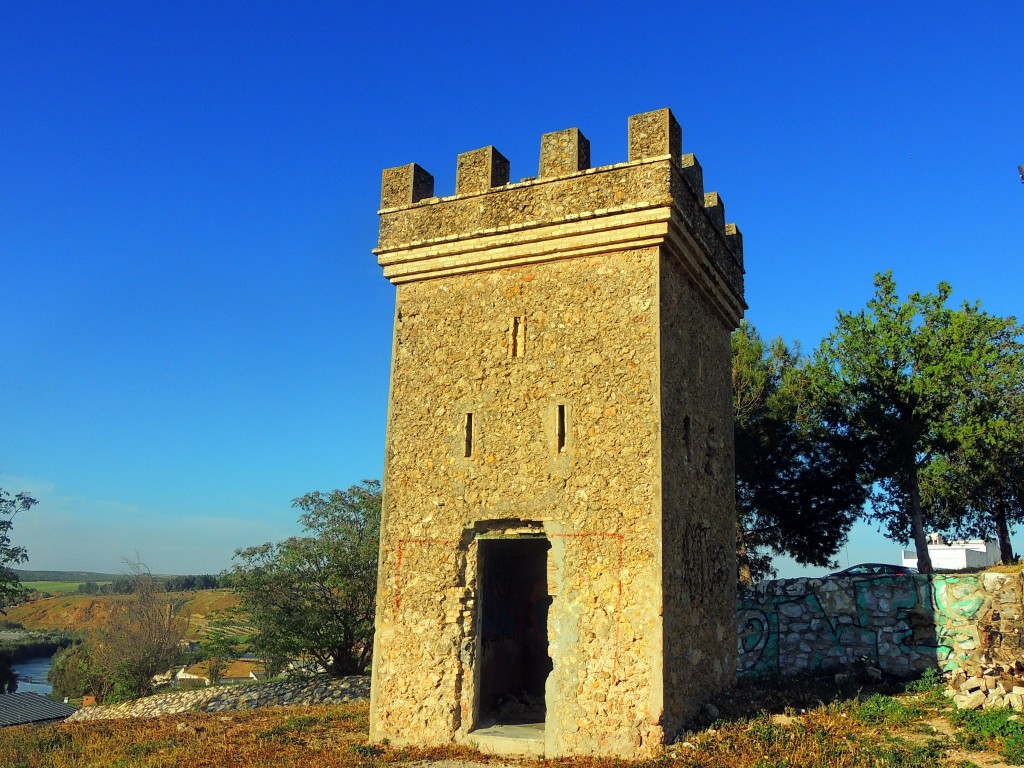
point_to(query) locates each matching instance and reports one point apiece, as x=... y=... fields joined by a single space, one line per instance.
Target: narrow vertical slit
x=518 y=336
x=561 y=429
x=469 y=436
x=686 y=437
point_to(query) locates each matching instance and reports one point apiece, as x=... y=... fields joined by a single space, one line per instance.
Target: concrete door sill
x=519 y=739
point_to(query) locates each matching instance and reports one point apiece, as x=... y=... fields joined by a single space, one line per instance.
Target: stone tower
x=557 y=567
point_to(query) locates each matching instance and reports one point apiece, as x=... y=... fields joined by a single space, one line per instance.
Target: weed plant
x=885 y=710
x=930 y=680
x=997 y=729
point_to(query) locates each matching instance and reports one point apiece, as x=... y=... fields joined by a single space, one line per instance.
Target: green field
x=76 y=576
x=56 y=587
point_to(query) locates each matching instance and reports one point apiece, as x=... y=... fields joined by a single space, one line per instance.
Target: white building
x=956 y=555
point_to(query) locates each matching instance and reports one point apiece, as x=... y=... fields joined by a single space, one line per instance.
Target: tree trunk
x=924 y=559
x=1002 y=532
x=746 y=579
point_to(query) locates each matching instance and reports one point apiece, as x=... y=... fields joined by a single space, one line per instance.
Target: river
x=35 y=670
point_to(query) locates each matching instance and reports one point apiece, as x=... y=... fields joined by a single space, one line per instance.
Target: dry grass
x=1015 y=568
x=311 y=737
x=909 y=730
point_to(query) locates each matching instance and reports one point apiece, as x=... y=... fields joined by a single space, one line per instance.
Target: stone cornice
x=644 y=203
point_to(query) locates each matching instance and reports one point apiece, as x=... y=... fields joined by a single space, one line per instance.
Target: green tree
x=8 y=677
x=312 y=596
x=73 y=672
x=977 y=490
x=10 y=587
x=223 y=641
x=798 y=486
x=903 y=375
x=11 y=591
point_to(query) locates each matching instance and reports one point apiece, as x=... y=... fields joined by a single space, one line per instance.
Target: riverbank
x=32 y=675
x=25 y=644
x=31 y=654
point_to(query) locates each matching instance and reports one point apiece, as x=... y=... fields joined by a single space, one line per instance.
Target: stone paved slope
x=319 y=690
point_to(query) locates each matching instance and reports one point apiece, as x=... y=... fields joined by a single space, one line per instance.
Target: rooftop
x=23 y=708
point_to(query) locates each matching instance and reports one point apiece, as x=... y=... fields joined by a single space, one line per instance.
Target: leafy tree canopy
x=11 y=590
x=798 y=486
x=312 y=596
x=10 y=555
x=73 y=672
x=977 y=490
x=904 y=375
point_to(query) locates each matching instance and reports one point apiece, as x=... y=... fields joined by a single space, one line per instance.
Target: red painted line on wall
x=401 y=556
x=618 y=537
x=618 y=585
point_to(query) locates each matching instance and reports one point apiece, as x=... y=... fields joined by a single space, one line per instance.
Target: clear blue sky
x=194 y=330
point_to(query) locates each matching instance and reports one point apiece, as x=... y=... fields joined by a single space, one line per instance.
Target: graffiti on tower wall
x=900 y=624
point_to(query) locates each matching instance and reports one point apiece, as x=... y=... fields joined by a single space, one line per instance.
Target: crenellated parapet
x=569 y=209
x=563 y=153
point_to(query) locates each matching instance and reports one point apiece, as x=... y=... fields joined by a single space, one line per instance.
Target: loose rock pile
x=989 y=687
x=318 y=690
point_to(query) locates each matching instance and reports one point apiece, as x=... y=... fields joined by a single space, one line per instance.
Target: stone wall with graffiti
x=901 y=625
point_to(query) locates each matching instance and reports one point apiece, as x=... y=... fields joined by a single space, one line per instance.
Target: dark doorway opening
x=514 y=660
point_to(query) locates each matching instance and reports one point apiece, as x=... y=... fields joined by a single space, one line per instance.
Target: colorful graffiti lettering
x=901 y=624
x=957 y=598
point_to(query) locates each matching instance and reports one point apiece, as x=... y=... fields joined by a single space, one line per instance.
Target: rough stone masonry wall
x=590 y=344
x=697 y=472
x=900 y=625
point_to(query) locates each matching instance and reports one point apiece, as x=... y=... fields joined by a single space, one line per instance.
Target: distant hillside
x=53 y=583
x=73 y=613
x=24 y=576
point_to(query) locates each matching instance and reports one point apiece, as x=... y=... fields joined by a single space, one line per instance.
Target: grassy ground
x=798 y=725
